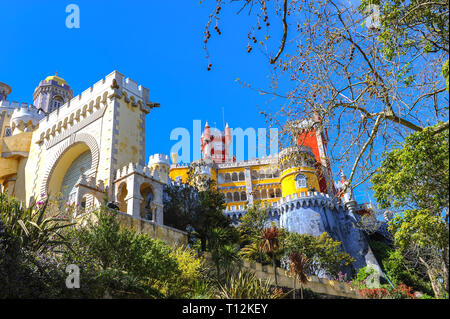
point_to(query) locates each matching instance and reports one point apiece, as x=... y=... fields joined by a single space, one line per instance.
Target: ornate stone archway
x=67 y=146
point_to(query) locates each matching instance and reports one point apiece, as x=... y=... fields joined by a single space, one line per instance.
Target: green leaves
x=244 y=284
x=30 y=225
x=421 y=228
x=325 y=253
x=415 y=175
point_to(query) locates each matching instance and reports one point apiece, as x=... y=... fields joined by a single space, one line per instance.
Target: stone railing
x=171 y=236
x=316 y=284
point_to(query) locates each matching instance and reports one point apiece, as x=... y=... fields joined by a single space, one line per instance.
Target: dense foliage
x=413 y=180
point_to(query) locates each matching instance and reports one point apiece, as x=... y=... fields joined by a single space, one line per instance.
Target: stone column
x=134 y=205
x=248 y=185
x=158 y=217
x=134 y=197
x=10 y=184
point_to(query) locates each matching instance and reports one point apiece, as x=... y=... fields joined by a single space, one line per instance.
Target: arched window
x=278 y=192
x=56 y=103
x=276 y=174
x=229 y=197
x=236 y=196
x=263 y=194
x=243 y=196
x=255 y=174
x=241 y=176
x=227 y=177
x=271 y=193
x=300 y=181
x=148 y=200
x=234 y=177
x=262 y=174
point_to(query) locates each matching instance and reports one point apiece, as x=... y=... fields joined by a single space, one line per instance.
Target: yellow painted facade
x=92 y=145
x=264 y=180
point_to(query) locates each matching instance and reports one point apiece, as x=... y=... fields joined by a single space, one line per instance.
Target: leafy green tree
x=399 y=269
x=250 y=228
x=413 y=180
x=324 y=253
x=253 y=222
x=196 y=206
x=118 y=259
x=191 y=267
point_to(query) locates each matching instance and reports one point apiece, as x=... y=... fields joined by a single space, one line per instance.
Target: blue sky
x=159 y=44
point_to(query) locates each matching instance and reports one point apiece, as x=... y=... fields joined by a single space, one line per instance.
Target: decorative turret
x=347 y=196
x=52 y=93
x=160 y=164
x=298 y=175
x=228 y=140
x=5 y=90
x=25 y=118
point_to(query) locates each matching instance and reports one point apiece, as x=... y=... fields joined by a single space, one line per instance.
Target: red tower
x=312 y=135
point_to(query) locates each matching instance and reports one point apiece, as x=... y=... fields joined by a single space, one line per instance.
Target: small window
x=148 y=200
x=56 y=103
x=300 y=181
x=7 y=131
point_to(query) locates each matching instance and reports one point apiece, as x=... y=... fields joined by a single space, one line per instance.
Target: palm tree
x=298 y=267
x=244 y=284
x=270 y=245
x=223 y=252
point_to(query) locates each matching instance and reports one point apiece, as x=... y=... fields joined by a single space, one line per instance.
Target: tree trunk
x=275 y=271
x=301 y=291
x=433 y=278
x=445 y=267
x=295 y=288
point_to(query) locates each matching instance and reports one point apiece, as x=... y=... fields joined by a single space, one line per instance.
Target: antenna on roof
x=223 y=116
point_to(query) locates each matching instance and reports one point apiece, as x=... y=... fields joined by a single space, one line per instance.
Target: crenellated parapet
x=136 y=168
x=88 y=106
x=307 y=199
x=92 y=183
x=161 y=159
x=264 y=160
x=296 y=156
x=25 y=118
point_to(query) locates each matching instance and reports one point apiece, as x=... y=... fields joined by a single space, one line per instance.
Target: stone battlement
x=133 y=168
x=308 y=199
x=271 y=159
x=11 y=106
x=159 y=159
x=89 y=101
